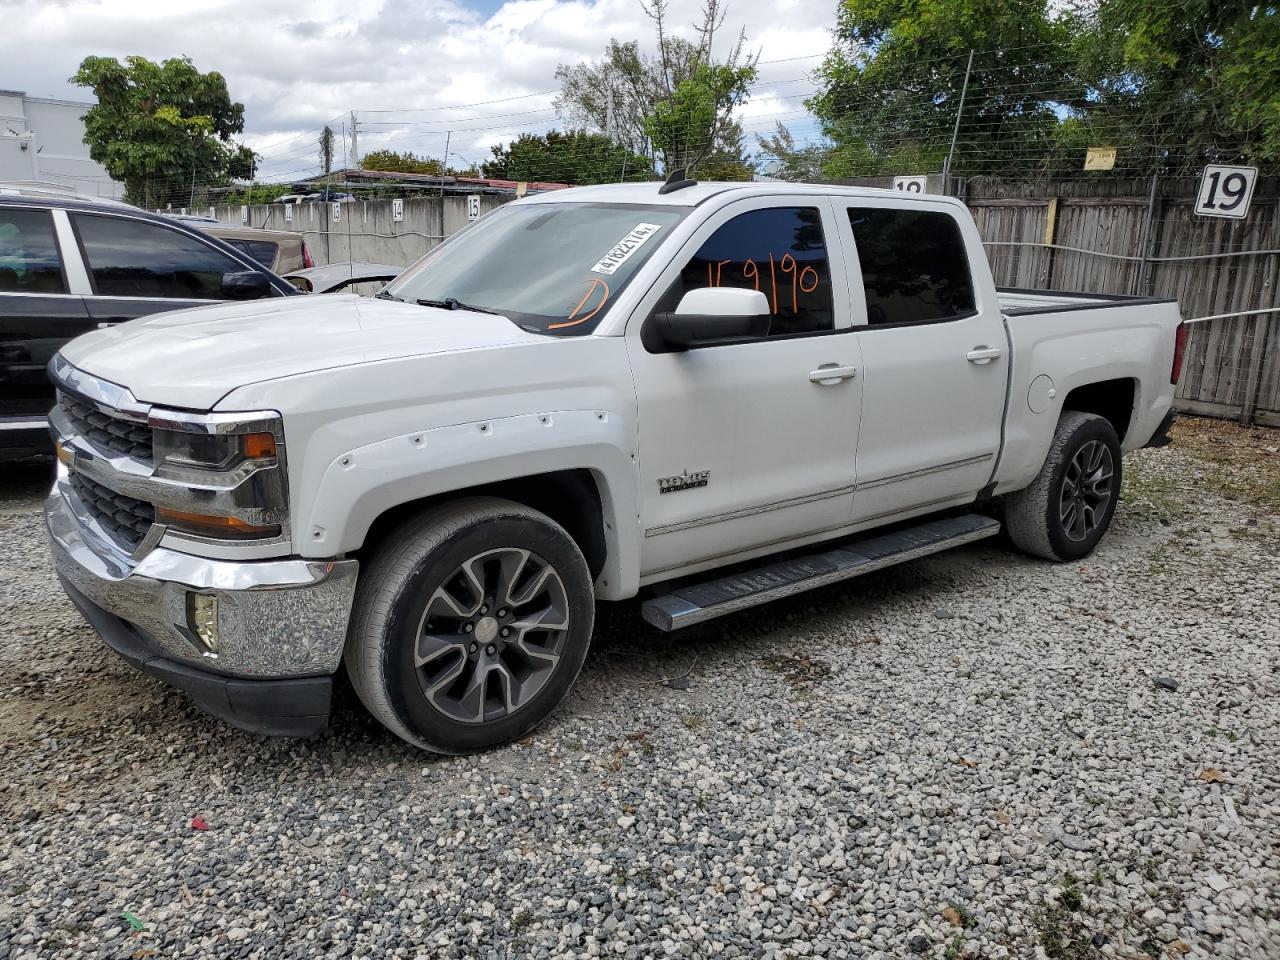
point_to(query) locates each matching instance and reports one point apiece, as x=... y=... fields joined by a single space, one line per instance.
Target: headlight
x=224 y=473
x=213 y=451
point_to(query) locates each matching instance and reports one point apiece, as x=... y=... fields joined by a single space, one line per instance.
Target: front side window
x=915 y=268
x=29 y=261
x=779 y=251
x=552 y=268
x=133 y=258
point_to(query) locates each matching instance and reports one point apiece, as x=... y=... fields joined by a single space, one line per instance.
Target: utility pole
x=955 y=132
x=444 y=165
x=355 y=140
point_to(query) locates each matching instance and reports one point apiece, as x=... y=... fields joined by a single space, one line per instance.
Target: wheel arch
x=1113 y=400
x=571 y=498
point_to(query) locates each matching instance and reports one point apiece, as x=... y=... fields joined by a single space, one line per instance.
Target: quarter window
x=29 y=261
x=779 y=251
x=262 y=251
x=915 y=268
x=132 y=258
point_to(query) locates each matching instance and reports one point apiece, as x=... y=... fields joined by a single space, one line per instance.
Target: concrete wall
x=366 y=231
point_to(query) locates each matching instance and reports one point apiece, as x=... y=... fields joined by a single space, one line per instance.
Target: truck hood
x=192 y=358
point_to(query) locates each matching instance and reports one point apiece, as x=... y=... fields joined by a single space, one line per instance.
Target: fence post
x=1257 y=356
x=1148 y=232
x=1050 y=238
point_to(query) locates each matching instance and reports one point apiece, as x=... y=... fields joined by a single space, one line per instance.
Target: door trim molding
x=814 y=497
x=749 y=511
x=925 y=471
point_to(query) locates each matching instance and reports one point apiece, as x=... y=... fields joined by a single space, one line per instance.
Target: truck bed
x=1019 y=301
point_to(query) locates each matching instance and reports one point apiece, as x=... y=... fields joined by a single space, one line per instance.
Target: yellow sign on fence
x=1100 y=158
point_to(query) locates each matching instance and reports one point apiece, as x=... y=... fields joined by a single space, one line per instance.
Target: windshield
x=550 y=267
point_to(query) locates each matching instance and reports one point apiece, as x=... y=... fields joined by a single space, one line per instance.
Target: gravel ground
x=976 y=755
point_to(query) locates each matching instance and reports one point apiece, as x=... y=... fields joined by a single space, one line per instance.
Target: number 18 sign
x=1226 y=191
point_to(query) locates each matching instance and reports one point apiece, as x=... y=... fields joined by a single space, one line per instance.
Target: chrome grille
x=106 y=432
x=125 y=518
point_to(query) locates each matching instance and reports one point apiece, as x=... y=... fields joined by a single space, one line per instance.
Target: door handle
x=983 y=354
x=829 y=374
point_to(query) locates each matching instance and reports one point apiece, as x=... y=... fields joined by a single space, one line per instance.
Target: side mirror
x=714 y=315
x=246 y=285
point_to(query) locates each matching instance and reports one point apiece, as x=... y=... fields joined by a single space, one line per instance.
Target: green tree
x=326 y=150
x=696 y=121
x=394 y=162
x=891 y=86
x=675 y=105
x=1196 y=80
x=572 y=156
x=165 y=130
x=792 y=162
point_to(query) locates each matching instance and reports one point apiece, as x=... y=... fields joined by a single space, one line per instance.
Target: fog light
x=202 y=614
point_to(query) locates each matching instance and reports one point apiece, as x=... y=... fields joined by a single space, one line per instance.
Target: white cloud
x=298 y=67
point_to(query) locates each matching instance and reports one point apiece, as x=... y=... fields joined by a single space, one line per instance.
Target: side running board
x=695 y=603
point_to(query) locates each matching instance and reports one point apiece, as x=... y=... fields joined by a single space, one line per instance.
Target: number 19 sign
x=1226 y=191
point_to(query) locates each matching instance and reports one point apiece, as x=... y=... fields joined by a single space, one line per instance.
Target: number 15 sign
x=1226 y=191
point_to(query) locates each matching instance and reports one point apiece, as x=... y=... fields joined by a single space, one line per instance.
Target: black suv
x=69 y=265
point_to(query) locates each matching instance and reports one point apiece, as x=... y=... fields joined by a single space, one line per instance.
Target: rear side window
x=29 y=261
x=132 y=258
x=915 y=268
x=262 y=251
x=779 y=251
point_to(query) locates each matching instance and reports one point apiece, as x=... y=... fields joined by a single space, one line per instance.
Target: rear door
x=38 y=314
x=935 y=358
x=137 y=267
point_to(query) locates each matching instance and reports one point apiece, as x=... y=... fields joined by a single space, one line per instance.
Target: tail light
x=307 y=262
x=1179 y=349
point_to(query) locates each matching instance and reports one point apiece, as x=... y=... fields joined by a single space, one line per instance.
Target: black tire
x=1062 y=515
x=409 y=602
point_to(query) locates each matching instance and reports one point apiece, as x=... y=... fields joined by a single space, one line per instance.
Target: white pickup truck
x=709 y=394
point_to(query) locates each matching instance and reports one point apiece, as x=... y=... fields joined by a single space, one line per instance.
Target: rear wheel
x=470 y=625
x=1067 y=508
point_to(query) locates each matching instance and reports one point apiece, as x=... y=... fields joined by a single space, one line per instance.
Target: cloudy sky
x=411 y=69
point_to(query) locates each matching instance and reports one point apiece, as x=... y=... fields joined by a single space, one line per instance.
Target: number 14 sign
x=1226 y=191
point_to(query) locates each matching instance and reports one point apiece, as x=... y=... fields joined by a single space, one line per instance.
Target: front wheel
x=470 y=625
x=1069 y=505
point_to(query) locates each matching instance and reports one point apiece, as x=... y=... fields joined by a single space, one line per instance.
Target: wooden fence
x=1099 y=236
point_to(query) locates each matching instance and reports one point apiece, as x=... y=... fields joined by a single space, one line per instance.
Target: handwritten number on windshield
x=596 y=288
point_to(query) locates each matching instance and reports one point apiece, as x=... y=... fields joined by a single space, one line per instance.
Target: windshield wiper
x=383 y=295
x=453 y=303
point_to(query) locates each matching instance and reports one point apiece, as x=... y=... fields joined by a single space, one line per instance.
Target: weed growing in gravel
x=693 y=721
x=1072 y=899
x=954 y=947
x=1062 y=935
x=797 y=671
x=1061 y=930
x=1152 y=495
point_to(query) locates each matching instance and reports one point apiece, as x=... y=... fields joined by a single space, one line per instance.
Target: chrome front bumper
x=276 y=618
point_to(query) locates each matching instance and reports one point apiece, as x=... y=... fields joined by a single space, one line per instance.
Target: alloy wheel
x=1086 y=490
x=492 y=635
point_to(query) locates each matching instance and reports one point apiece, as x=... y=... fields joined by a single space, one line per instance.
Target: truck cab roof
x=699 y=192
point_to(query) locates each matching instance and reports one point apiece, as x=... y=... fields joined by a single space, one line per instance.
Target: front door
x=137 y=267
x=746 y=446
x=38 y=314
x=935 y=360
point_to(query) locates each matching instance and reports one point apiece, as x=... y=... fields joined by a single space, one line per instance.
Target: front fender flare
x=360 y=485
